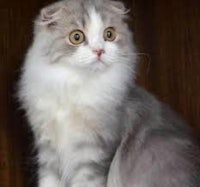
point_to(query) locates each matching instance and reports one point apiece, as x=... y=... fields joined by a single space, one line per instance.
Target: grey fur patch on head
x=79 y=8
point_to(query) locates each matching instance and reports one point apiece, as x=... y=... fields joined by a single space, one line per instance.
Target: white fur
x=67 y=105
x=95 y=30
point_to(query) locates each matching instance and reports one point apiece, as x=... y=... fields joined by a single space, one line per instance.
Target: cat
x=93 y=126
x=74 y=80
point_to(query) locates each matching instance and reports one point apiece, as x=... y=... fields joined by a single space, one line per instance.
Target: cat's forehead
x=87 y=17
x=94 y=21
x=84 y=14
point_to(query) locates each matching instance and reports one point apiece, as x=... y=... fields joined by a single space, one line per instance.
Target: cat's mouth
x=100 y=60
x=99 y=64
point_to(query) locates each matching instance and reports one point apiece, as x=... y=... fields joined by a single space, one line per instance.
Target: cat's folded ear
x=50 y=15
x=118 y=7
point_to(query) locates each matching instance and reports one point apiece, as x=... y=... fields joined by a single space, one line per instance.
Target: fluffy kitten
x=77 y=90
x=74 y=82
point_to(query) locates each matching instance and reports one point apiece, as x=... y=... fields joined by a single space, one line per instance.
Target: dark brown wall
x=167 y=31
x=167 y=36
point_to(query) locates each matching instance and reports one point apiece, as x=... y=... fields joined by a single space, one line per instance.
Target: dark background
x=167 y=36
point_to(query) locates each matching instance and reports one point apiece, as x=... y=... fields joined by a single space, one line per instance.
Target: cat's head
x=86 y=34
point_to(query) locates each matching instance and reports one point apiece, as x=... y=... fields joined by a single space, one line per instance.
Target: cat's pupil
x=109 y=34
x=77 y=37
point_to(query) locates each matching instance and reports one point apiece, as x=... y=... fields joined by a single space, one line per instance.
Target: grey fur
x=158 y=149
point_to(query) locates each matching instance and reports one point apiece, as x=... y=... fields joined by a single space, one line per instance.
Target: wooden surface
x=167 y=34
x=167 y=31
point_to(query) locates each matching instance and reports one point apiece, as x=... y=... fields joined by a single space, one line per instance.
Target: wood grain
x=167 y=32
x=167 y=36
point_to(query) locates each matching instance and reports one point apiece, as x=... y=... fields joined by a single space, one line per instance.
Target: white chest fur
x=60 y=100
x=67 y=109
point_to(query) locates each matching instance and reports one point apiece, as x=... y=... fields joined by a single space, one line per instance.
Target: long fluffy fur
x=79 y=109
x=73 y=102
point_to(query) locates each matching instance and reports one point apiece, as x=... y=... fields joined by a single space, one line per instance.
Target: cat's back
x=158 y=148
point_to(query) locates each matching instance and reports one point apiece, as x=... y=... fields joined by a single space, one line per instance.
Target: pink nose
x=99 y=52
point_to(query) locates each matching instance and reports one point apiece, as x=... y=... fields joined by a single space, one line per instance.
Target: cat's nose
x=99 y=52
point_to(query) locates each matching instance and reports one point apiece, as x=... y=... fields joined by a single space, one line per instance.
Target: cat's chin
x=98 y=65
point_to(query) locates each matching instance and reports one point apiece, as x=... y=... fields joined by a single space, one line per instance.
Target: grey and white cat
x=93 y=126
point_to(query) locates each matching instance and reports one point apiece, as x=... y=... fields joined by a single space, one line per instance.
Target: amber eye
x=109 y=34
x=76 y=37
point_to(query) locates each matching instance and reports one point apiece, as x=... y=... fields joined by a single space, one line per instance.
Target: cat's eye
x=76 y=37
x=109 y=34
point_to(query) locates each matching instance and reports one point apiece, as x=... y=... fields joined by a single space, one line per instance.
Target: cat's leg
x=48 y=179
